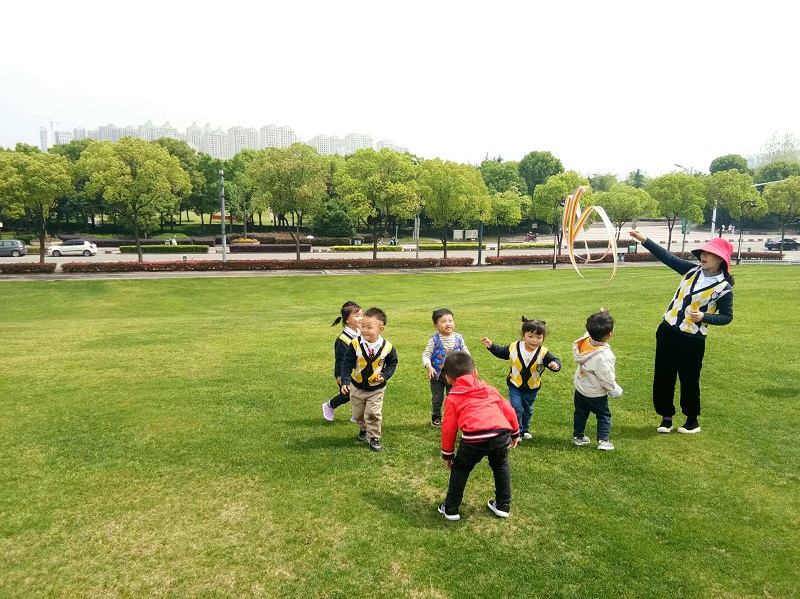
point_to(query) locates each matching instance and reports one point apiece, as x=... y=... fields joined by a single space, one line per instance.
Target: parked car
x=73 y=247
x=788 y=244
x=12 y=247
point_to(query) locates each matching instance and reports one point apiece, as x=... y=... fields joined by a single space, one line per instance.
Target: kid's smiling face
x=532 y=340
x=445 y=325
x=371 y=328
x=354 y=320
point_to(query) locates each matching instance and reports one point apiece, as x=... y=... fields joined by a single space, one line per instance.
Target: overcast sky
x=605 y=86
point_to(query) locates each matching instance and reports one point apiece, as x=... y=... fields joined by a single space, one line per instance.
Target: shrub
x=365 y=248
x=450 y=246
x=334 y=221
x=247 y=248
x=219 y=265
x=112 y=243
x=165 y=249
x=539 y=259
x=244 y=240
x=27 y=268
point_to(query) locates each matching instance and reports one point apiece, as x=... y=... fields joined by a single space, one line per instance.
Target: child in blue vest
x=351 y=323
x=444 y=341
x=528 y=359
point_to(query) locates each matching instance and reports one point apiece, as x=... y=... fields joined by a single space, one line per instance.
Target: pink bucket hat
x=719 y=247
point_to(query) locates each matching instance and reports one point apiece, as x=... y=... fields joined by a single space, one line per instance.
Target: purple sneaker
x=327 y=411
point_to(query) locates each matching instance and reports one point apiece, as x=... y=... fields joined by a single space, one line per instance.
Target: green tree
x=206 y=199
x=637 y=179
x=242 y=195
x=548 y=197
x=78 y=204
x=28 y=149
x=777 y=171
x=502 y=176
x=678 y=195
x=624 y=203
x=536 y=167
x=452 y=194
x=602 y=182
x=138 y=179
x=333 y=220
x=30 y=184
x=729 y=162
x=292 y=180
x=375 y=185
x=506 y=211
x=190 y=162
x=728 y=189
x=783 y=200
x=781 y=148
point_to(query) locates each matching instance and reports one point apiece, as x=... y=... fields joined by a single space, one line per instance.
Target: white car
x=73 y=247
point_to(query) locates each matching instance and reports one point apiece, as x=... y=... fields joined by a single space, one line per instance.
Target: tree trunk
x=42 y=235
x=202 y=224
x=136 y=236
x=297 y=240
x=498 y=241
x=375 y=238
x=444 y=242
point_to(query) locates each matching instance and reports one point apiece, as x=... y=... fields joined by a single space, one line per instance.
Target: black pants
x=439 y=388
x=468 y=455
x=339 y=400
x=677 y=355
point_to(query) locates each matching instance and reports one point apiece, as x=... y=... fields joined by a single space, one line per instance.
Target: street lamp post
x=555 y=230
x=741 y=227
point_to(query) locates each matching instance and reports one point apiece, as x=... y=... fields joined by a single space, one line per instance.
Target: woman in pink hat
x=704 y=297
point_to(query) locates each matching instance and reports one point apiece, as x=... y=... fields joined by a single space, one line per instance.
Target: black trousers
x=339 y=400
x=468 y=455
x=677 y=355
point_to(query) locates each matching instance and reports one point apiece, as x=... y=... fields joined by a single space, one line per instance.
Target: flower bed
x=251 y=248
x=165 y=249
x=218 y=265
x=365 y=248
x=26 y=268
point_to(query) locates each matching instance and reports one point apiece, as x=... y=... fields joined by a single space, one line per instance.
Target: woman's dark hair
x=727 y=275
x=347 y=309
x=534 y=326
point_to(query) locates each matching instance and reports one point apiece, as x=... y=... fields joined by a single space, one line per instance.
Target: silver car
x=73 y=247
x=12 y=247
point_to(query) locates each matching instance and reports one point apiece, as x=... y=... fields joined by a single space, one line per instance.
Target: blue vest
x=439 y=352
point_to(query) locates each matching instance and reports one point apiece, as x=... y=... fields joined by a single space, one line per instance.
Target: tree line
x=142 y=185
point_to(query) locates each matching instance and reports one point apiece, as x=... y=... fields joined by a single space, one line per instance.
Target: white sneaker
x=665 y=426
x=527 y=436
x=327 y=411
x=605 y=445
x=497 y=511
x=353 y=419
x=451 y=517
x=584 y=440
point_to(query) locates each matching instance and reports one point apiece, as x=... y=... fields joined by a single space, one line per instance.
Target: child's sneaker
x=665 y=426
x=362 y=436
x=375 y=444
x=605 y=445
x=436 y=421
x=451 y=517
x=500 y=513
x=691 y=426
x=327 y=411
x=582 y=440
x=353 y=419
x=527 y=435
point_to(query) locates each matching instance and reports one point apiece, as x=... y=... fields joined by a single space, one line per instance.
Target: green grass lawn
x=164 y=438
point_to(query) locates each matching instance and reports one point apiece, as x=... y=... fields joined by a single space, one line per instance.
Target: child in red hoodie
x=488 y=427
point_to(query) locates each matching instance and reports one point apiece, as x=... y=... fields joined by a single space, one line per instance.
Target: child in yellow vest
x=528 y=359
x=351 y=322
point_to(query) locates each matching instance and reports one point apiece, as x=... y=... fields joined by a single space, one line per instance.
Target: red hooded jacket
x=478 y=410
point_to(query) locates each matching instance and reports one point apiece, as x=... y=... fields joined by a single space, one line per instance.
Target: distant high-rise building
x=755 y=161
x=240 y=138
x=194 y=136
x=356 y=141
x=62 y=137
x=79 y=132
x=110 y=132
x=321 y=143
x=44 y=139
x=386 y=143
x=215 y=143
x=277 y=137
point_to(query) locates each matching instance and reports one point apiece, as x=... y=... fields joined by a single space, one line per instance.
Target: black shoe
x=375 y=444
x=501 y=510
x=691 y=426
x=451 y=517
x=665 y=426
x=436 y=421
x=362 y=436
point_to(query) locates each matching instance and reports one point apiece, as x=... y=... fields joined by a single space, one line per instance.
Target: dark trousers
x=468 y=455
x=439 y=388
x=591 y=405
x=677 y=355
x=339 y=400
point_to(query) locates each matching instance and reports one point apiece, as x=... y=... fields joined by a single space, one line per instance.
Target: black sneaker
x=436 y=421
x=665 y=426
x=375 y=444
x=691 y=426
x=362 y=436
x=451 y=517
x=501 y=511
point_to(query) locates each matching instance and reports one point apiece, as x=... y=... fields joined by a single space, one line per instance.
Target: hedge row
x=165 y=249
x=218 y=265
x=20 y=268
x=252 y=248
x=366 y=248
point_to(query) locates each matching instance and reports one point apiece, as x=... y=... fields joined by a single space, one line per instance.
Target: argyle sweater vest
x=529 y=376
x=366 y=368
x=688 y=298
x=439 y=351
